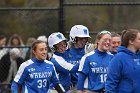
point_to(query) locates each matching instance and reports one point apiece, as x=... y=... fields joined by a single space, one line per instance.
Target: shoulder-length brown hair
x=15 y=36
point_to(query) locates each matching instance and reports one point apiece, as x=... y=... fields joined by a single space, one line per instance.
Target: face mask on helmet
x=78 y=31
x=54 y=39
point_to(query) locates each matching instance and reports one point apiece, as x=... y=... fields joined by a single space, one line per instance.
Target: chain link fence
x=113 y=16
x=29 y=22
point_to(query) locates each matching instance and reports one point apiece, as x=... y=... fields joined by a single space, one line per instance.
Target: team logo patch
x=31 y=76
x=59 y=36
x=93 y=63
x=85 y=31
x=31 y=69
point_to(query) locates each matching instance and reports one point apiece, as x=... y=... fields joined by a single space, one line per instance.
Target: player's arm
x=58 y=87
x=83 y=71
x=14 y=87
x=80 y=83
x=19 y=78
x=64 y=66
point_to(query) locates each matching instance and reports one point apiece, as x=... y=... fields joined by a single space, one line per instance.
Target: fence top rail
x=101 y=3
x=70 y=4
x=28 y=8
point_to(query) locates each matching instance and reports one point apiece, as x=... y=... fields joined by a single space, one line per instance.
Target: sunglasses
x=104 y=32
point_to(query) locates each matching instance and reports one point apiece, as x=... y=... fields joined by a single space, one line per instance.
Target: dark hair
x=127 y=35
x=35 y=43
x=114 y=34
x=2 y=37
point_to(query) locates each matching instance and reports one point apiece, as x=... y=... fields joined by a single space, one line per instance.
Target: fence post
x=61 y=16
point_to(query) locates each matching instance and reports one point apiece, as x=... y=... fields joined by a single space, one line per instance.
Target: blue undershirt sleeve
x=81 y=79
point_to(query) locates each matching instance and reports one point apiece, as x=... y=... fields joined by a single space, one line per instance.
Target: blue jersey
x=75 y=55
x=64 y=68
x=124 y=72
x=35 y=76
x=94 y=66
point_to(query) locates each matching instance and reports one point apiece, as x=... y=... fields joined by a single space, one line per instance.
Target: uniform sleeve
x=14 y=87
x=54 y=78
x=19 y=78
x=84 y=65
x=64 y=66
x=21 y=74
x=56 y=83
x=114 y=75
x=83 y=71
x=80 y=83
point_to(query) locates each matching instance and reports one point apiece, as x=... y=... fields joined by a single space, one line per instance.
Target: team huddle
x=110 y=65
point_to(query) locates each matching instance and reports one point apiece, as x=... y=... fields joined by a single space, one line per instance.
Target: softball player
x=94 y=66
x=60 y=59
x=36 y=74
x=124 y=69
x=79 y=35
x=115 y=42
